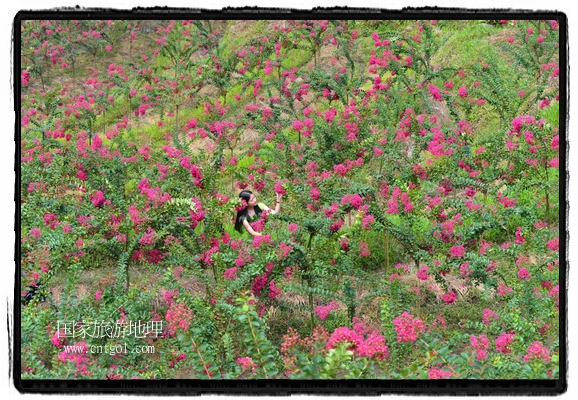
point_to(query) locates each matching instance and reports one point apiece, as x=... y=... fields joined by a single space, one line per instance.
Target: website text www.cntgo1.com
x=110 y=349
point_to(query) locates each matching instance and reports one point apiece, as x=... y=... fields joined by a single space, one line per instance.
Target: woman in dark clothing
x=252 y=212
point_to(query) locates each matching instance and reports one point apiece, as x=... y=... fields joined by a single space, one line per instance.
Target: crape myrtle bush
x=402 y=174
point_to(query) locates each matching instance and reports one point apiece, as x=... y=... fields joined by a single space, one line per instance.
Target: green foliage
x=417 y=159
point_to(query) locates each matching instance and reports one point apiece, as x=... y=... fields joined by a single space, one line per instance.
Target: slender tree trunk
x=73 y=76
x=386 y=252
x=310 y=285
x=311 y=309
x=232 y=177
x=547 y=195
x=177 y=122
x=128 y=108
x=127 y=275
x=42 y=82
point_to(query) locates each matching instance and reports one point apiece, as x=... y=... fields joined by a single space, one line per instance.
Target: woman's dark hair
x=242 y=215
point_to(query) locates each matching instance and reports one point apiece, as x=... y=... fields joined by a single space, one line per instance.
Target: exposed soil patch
x=92 y=281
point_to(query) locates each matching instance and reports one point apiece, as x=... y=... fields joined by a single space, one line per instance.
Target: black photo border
x=288 y=387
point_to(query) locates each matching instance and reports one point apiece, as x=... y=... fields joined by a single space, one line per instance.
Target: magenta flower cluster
x=371 y=347
x=408 y=328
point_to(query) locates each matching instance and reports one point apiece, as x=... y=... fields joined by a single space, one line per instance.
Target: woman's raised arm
x=277 y=204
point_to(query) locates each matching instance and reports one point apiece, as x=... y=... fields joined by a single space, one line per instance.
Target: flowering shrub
x=418 y=236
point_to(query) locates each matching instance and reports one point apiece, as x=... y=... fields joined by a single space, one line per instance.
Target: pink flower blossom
x=458 y=251
x=279 y=188
x=344 y=335
x=330 y=115
x=465 y=270
x=336 y=225
x=344 y=243
x=480 y=344
x=258 y=284
x=373 y=347
x=298 y=125
x=392 y=207
x=519 y=238
x=25 y=77
x=422 y=273
x=484 y=246
x=537 y=351
x=80 y=174
x=555 y=142
x=241 y=206
x=435 y=373
x=59 y=338
x=284 y=249
x=314 y=194
x=340 y=169
x=435 y=92
x=544 y=103
x=50 y=220
x=274 y=291
x=97 y=198
x=323 y=311
x=79 y=357
x=524 y=274
x=554 y=244
x=98 y=295
x=540 y=225
x=489 y=315
x=555 y=294
x=504 y=290
x=178 y=271
x=179 y=316
x=506 y=202
x=292 y=227
x=354 y=200
x=148 y=238
x=259 y=240
x=170 y=296
x=405 y=200
x=366 y=221
x=407 y=327
x=363 y=250
x=247 y=362
x=449 y=297
x=503 y=342
x=230 y=273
